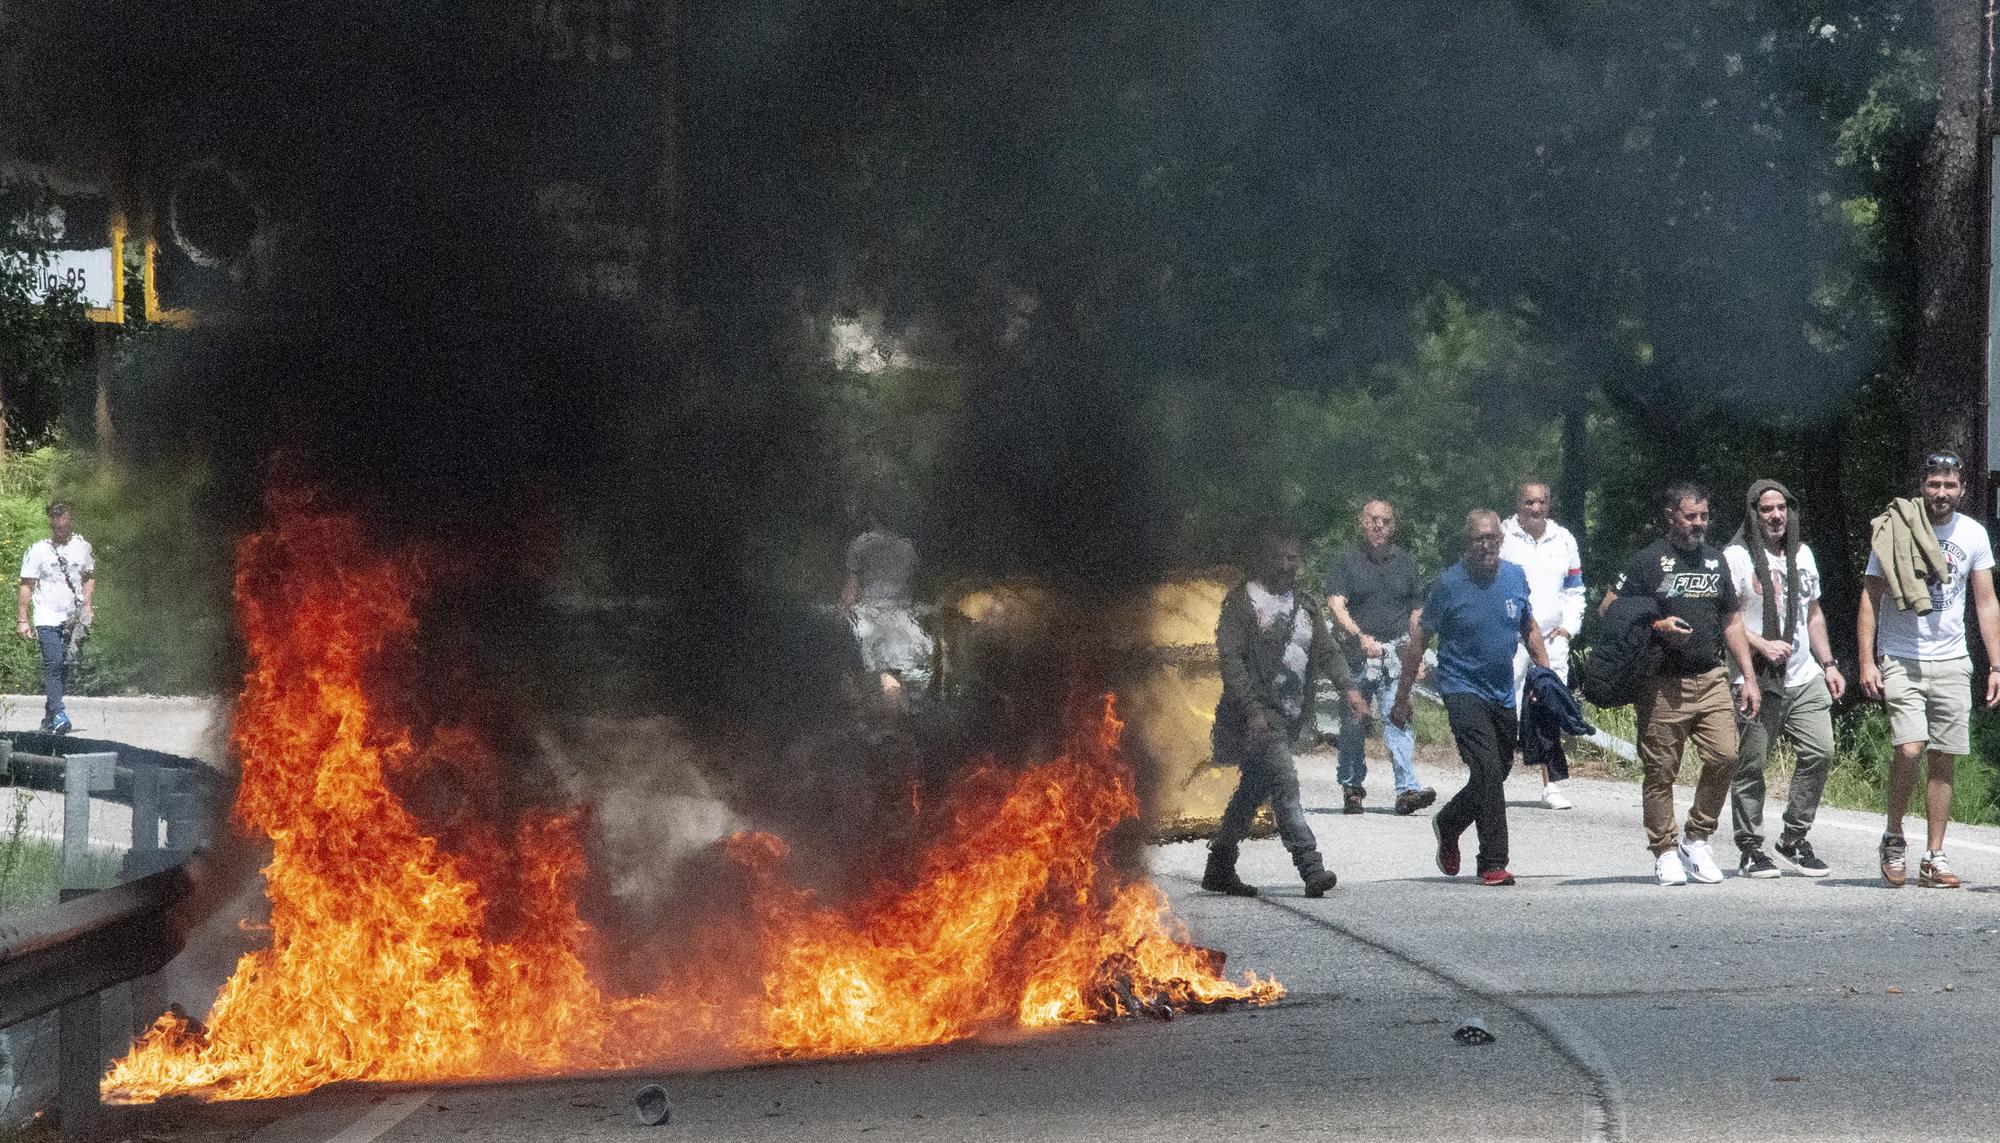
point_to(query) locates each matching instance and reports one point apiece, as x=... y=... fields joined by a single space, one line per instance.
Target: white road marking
x=1954 y=844
x=381 y=1118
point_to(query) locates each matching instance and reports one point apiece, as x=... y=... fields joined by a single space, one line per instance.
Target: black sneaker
x=1350 y=799
x=1410 y=801
x=1756 y=864
x=1800 y=856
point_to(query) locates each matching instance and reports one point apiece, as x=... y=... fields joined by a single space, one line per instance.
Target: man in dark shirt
x=1480 y=612
x=1272 y=645
x=1372 y=592
x=1688 y=696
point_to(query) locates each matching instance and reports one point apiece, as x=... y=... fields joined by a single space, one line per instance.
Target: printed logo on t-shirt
x=1513 y=609
x=1948 y=593
x=1693 y=585
x=1808 y=582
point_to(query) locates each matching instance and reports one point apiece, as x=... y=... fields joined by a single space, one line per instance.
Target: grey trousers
x=1269 y=775
x=1805 y=715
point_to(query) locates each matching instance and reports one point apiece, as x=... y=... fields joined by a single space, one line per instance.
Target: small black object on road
x=651 y=1105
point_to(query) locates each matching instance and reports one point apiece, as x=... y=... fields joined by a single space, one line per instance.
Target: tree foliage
x=1188 y=262
x=45 y=343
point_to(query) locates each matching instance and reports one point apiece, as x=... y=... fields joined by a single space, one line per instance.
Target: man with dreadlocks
x=1777 y=586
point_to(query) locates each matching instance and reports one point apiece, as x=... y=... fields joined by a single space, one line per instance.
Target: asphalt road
x=192 y=727
x=1783 y=1009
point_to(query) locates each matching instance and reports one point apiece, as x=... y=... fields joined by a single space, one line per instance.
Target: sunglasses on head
x=1943 y=460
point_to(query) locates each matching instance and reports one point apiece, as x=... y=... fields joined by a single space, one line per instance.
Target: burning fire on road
x=403 y=949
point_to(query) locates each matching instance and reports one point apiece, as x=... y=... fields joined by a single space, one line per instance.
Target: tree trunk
x=107 y=438
x=1823 y=507
x=1948 y=354
x=1573 y=479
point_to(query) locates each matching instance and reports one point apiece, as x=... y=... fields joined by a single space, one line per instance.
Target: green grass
x=1430 y=723
x=162 y=606
x=1859 y=777
x=30 y=868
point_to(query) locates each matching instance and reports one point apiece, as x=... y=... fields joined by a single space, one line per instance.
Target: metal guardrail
x=63 y=959
x=66 y=952
x=158 y=791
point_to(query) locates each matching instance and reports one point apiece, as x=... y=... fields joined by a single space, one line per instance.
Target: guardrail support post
x=185 y=807
x=79 y=1060
x=76 y=827
x=145 y=809
x=147 y=993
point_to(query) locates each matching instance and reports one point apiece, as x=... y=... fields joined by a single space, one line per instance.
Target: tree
x=1948 y=379
x=44 y=343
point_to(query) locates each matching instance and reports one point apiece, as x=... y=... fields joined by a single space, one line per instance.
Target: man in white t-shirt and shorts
x=1777 y=589
x=58 y=578
x=1918 y=664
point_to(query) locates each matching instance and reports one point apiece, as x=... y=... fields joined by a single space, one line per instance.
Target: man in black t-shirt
x=1371 y=592
x=1688 y=695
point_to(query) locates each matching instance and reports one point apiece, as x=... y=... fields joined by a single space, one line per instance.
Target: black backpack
x=1623 y=654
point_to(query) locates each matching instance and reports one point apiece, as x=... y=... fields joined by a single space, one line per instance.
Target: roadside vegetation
x=157 y=628
x=1859 y=777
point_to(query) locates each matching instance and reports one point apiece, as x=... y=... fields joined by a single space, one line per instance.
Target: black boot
x=1220 y=876
x=1313 y=872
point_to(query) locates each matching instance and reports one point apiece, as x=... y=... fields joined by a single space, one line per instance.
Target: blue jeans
x=1380 y=693
x=51 y=641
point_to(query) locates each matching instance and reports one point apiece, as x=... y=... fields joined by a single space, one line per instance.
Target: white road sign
x=92 y=273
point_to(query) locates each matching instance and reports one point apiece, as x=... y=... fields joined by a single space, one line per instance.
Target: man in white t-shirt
x=58 y=578
x=1548 y=553
x=1918 y=664
x=1777 y=588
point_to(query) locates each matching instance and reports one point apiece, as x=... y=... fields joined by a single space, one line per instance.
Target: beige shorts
x=1929 y=701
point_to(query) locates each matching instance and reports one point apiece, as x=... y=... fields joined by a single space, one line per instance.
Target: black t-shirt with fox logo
x=1694 y=585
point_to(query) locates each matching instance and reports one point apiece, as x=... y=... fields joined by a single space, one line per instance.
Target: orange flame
x=389 y=959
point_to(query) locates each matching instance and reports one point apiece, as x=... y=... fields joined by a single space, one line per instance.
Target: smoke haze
x=1070 y=205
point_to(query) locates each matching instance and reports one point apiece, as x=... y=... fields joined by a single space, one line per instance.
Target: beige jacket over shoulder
x=1906 y=547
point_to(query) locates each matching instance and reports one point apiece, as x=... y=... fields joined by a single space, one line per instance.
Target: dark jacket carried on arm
x=1549 y=712
x=1251 y=660
x=1624 y=655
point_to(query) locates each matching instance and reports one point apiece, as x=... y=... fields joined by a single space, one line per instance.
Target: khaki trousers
x=1671 y=710
x=1804 y=714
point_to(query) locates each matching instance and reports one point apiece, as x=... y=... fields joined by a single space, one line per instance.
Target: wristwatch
x=1829 y=665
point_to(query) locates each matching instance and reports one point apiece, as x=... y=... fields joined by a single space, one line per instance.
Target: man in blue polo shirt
x=1479 y=611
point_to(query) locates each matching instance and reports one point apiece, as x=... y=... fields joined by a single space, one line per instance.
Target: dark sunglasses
x=1943 y=460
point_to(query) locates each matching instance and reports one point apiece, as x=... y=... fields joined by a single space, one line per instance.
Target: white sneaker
x=1700 y=862
x=1668 y=870
x=1552 y=797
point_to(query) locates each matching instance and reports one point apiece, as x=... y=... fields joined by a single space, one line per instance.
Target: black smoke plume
x=546 y=282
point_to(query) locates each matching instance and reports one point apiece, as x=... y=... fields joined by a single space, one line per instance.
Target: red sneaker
x=1447 y=854
x=1496 y=877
